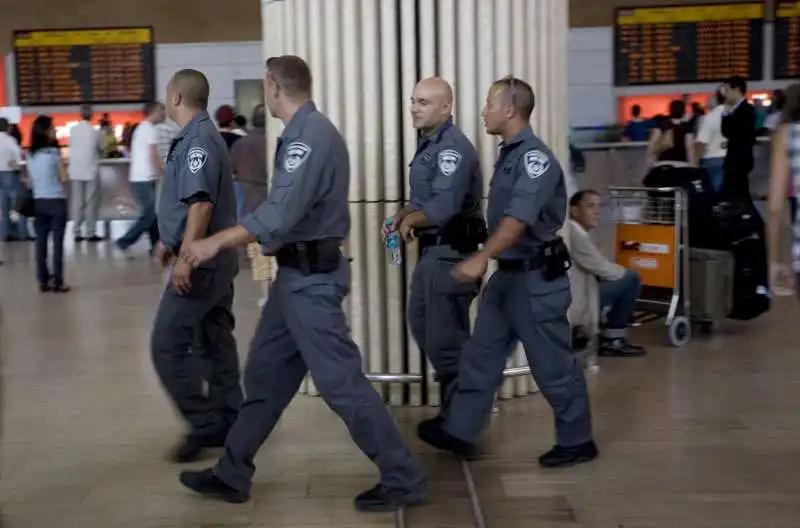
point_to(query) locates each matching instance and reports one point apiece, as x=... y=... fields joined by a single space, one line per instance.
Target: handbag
x=24 y=205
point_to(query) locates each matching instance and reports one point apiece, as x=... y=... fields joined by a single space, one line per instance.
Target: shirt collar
x=299 y=116
x=578 y=228
x=525 y=134
x=197 y=119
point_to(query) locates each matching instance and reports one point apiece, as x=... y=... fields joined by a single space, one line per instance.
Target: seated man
x=597 y=283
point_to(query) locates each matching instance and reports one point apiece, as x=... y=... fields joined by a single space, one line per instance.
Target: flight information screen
x=786 y=40
x=99 y=66
x=688 y=44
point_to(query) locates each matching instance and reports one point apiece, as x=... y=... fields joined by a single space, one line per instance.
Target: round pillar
x=366 y=56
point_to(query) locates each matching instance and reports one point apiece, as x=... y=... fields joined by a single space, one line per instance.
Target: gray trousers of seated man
x=438 y=311
x=303 y=329
x=521 y=306
x=192 y=342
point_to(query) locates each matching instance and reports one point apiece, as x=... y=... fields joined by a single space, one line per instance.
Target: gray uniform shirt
x=528 y=185
x=198 y=168
x=445 y=176
x=309 y=188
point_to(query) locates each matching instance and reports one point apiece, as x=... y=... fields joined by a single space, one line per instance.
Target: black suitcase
x=742 y=229
x=703 y=232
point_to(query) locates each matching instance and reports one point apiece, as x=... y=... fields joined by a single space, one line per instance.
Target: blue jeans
x=145 y=194
x=11 y=190
x=620 y=297
x=238 y=190
x=713 y=167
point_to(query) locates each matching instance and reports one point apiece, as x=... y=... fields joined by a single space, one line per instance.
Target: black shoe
x=380 y=498
x=619 y=348
x=192 y=447
x=94 y=238
x=207 y=484
x=561 y=456
x=79 y=238
x=431 y=432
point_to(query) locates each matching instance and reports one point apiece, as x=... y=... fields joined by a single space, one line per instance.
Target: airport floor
x=703 y=436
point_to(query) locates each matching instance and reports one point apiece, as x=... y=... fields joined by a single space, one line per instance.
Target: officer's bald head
x=192 y=88
x=431 y=103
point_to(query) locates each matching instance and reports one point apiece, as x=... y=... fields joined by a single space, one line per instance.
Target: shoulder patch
x=536 y=163
x=296 y=154
x=449 y=161
x=197 y=157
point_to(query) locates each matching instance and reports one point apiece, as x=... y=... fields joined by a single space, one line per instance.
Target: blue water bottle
x=392 y=243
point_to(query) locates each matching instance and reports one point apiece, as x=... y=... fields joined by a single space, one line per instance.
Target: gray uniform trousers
x=438 y=310
x=200 y=322
x=303 y=329
x=521 y=306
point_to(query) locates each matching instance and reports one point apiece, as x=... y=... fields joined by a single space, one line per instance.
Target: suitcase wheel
x=680 y=331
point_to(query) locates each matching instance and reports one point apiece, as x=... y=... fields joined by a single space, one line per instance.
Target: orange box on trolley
x=650 y=250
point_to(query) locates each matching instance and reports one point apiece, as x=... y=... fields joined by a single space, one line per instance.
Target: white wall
x=222 y=63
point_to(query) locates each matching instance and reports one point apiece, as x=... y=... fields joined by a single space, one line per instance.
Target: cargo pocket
x=548 y=300
x=445 y=284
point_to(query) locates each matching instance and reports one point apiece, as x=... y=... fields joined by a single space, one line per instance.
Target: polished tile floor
x=704 y=436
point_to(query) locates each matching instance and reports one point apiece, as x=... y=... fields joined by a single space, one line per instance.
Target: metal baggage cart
x=651 y=237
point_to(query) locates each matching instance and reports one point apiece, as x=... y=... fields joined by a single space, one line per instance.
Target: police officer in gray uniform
x=445 y=215
x=527 y=298
x=197 y=200
x=303 y=328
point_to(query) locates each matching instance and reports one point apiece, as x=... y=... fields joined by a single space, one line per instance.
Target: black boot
x=619 y=347
x=561 y=456
x=432 y=433
x=381 y=498
x=207 y=484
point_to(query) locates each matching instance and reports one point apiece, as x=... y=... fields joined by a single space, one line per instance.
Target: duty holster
x=463 y=234
x=312 y=257
x=555 y=259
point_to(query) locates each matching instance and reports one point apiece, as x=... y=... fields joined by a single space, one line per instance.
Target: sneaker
x=561 y=456
x=382 y=498
x=619 y=347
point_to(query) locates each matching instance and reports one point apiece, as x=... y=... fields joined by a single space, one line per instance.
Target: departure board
x=688 y=44
x=98 y=66
x=786 y=40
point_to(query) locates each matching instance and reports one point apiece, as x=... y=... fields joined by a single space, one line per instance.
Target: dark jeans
x=145 y=194
x=50 y=218
x=620 y=297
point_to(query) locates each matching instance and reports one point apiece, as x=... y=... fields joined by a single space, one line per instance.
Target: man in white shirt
x=710 y=144
x=145 y=169
x=10 y=187
x=83 y=171
x=597 y=283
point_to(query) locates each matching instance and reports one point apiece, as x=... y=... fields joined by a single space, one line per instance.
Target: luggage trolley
x=651 y=237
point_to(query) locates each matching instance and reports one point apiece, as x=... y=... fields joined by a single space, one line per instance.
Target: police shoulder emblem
x=296 y=154
x=449 y=160
x=536 y=163
x=197 y=157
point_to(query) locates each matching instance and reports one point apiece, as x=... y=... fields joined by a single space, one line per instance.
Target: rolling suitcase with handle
x=711 y=274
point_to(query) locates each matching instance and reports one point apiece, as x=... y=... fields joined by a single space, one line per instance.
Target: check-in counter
x=116 y=199
x=624 y=164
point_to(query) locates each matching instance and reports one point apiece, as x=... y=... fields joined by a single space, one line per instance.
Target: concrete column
x=366 y=56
